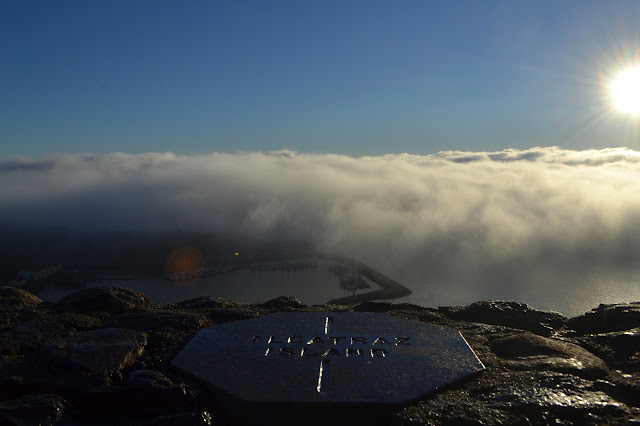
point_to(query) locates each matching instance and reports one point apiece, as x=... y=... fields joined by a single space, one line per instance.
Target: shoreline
x=389 y=289
x=105 y=356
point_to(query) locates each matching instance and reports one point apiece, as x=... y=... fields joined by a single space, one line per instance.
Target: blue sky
x=347 y=77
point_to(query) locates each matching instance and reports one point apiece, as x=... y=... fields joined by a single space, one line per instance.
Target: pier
x=390 y=288
x=350 y=279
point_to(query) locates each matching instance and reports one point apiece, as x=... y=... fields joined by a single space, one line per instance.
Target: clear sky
x=347 y=77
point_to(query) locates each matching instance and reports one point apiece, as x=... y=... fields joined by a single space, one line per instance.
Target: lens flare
x=184 y=259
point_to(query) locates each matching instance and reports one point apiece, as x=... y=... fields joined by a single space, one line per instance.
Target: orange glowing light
x=184 y=259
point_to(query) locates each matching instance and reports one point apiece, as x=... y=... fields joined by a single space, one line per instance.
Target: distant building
x=40 y=274
x=47 y=272
x=25 y=274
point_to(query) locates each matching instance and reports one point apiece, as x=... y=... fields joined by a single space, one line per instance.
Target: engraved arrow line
x=323 y=373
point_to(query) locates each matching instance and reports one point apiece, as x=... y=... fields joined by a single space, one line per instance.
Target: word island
x=327 y=345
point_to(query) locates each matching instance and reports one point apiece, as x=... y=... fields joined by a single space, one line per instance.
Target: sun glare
x=625 y=91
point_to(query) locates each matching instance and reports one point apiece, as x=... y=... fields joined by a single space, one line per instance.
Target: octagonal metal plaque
x=334 y=357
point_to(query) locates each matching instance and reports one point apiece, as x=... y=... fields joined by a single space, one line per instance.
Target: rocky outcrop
x=145 y=321
x=102 y=356
x=282 y=302
x=111 y=300
x=103 y=352
x=34 y=410
x=510 y=314
x=17 y=297
x=31 y=336
x=608 y=318
x=525 y=351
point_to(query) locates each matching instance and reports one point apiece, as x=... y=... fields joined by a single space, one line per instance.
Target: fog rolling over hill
x=543 y=226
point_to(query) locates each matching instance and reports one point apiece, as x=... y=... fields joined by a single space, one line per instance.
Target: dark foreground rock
x=102 y=356
x=110 y=300
x=608 y=318
x=33 y=410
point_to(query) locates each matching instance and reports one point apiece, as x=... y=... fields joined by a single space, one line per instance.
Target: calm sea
x=568 y=292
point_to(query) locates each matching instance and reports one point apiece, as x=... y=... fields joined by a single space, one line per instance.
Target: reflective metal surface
x=311 y=357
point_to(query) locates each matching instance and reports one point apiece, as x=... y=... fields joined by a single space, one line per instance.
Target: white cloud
x=445 y=212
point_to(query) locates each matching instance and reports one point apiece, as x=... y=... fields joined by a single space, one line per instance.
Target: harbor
x=350 y=279
x=310 y=280
x=313 y=280
x=208 y=271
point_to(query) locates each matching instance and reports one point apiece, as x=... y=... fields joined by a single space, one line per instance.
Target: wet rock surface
x=207 y=302
x=510 y=314
x=103 y=351
x=141 y=391
x=532 y=352
x=102 y=356
x=17 y=297
x=31 y=336
x=33 y=410
x=608 y=318
x=156 y=320
x=282 y=302
x=111 y=300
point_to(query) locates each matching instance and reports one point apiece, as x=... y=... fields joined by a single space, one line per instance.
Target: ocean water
x=567 y=291
x=570 y=292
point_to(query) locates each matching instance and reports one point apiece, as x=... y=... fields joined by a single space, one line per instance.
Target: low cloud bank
x=449 y=213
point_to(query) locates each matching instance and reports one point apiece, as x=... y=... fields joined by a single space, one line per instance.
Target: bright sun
x=625 y=91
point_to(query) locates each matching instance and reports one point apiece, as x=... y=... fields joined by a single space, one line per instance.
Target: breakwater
x=390 y=289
